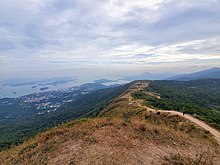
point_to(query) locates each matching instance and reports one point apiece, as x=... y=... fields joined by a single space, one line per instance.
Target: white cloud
x=64 y=34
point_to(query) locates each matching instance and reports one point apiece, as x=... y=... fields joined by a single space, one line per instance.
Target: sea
x=18 y=91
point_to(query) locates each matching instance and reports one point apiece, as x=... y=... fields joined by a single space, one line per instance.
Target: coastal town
x=49 y=101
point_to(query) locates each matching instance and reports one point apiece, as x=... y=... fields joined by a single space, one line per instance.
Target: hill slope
x=199 y=97
x=124 y=133
x=22 y=123
x=210 y=73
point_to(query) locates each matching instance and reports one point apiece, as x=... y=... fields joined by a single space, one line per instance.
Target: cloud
x=81 y=33
x=145 y=55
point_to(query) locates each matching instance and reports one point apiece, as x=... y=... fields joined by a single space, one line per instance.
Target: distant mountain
x=16 y=82
x=150 y=76
x=210 y=73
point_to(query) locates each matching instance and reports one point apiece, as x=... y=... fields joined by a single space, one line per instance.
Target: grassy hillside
x=200 y=98
x=124 y=133
x=24 y=127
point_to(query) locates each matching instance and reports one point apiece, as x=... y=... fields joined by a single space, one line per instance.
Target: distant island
x=57 y=82
x=103 y=81
x=44 y=88
x=15 y=82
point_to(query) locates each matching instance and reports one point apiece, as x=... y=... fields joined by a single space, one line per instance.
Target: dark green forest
x=200 y=98
x=27 y=123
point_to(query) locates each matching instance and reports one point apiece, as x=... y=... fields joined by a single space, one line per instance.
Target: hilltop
x=213 y=73
x=125 y=131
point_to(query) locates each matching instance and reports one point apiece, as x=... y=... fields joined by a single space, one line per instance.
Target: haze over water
x=88 y=40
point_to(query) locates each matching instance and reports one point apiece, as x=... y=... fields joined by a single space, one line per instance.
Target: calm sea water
x=12 y=92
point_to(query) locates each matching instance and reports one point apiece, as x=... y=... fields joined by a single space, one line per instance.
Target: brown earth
x=126 y=132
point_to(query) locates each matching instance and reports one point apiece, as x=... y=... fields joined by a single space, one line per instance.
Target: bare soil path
x=196 y=121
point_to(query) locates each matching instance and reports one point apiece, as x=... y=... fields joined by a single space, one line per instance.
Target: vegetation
x=27 y=123
x=199 y=97
x=122 y=134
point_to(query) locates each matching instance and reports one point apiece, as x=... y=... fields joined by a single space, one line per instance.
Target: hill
x=205 y=74
x=200 y=98
x=125 y=131
x=24 y=117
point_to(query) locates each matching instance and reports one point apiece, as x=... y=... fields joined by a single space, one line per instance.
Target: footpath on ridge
x=144 y=84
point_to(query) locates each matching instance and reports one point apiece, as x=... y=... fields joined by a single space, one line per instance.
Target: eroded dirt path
x=196 y=121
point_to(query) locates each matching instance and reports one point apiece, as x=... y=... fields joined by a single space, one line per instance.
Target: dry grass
x=109 y=141
x=123 y=134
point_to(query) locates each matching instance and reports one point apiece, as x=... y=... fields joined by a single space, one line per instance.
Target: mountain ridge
x=204 y=74
x=124 y=132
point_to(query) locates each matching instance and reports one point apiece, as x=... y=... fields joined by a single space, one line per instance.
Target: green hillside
x=125 y=132
x=28 y=123
x=200 y=98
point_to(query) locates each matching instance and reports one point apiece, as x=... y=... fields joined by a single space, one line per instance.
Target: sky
x=108 y=36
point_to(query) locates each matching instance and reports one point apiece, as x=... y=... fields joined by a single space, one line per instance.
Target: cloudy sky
x=138 y=35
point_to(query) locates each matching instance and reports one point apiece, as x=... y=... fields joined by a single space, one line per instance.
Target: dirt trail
x=196 y=121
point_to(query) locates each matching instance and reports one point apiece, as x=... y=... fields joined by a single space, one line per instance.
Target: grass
x=92 y=132
x=202 y=158
x=125 y=133
x=199 y=98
